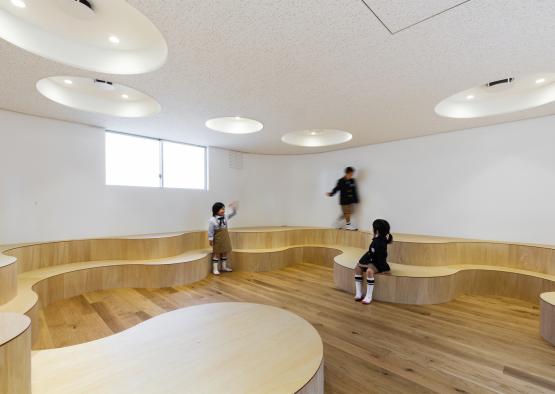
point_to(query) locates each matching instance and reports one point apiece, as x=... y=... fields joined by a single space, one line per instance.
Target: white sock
x=369 y=290
x=215 y=264
x=225 y=268
x=358 y=287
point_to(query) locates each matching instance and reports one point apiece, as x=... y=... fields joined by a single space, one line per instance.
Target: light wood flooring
x=471 y=345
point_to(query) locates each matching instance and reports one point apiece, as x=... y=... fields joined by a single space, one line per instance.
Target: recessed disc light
x=124 y=96
x=68 y=81
x=94 y=95
x=234 y=125
x=317 y=137
x=500 y=97
x=19 y=3
x=115 y=39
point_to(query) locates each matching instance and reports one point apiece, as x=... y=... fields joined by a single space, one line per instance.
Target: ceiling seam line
x=377 y=17
x=415 y=23
x=432 y=16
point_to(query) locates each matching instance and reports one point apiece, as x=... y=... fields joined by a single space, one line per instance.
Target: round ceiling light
x=500 y=97
x=95 y=95
x=234 y=125
x=118 y=39
x=317 y=137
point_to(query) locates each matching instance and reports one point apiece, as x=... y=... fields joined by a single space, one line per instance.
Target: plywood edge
x=548 y=297
x=547 y=320
x=316 y=384
x=12 y=325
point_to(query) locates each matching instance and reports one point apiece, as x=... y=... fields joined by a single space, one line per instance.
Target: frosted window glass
x=132 y=161
x=184 y=166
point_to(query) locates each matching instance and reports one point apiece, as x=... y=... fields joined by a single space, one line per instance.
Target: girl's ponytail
x=382 y=227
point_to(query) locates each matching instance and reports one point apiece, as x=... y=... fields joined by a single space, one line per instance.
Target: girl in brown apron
x=218 y=236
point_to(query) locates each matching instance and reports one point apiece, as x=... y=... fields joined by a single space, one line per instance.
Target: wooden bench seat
x=52 y=271
x=41 y=287
x=412 y=284
x=186 y=351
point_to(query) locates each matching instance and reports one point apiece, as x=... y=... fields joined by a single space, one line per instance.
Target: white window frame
x=161 y=164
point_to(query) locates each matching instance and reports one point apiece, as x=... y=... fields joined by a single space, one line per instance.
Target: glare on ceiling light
x=541 y=80
x=313 y=133
x=19 y=3
x=124 y=96
x=113 y=39
x=470 y=97
x=68 y=81
x=234 y=125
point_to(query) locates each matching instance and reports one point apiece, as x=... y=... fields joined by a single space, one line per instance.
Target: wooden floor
x=471 y=345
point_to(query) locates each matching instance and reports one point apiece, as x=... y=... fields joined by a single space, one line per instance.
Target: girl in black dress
x=374 y=261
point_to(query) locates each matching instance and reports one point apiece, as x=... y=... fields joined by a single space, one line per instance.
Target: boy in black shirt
x=348 y=195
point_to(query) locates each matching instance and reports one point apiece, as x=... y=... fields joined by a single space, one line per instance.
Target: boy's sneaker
x=350 y=227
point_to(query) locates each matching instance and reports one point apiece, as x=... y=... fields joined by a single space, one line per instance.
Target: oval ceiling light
x=117 y=38
x=234 y=125
x=317 y=137
x=95 y=95
x=500 y=97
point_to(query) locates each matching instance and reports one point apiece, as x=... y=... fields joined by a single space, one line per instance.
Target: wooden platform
x=15 y=353
x=424 y=270
x=57 y=270
x=474 y=344
x=411 y=284
x=216 y=348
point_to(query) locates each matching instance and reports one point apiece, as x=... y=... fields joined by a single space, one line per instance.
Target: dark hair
x=349 y=170
x=382 y=226
x=216 y=208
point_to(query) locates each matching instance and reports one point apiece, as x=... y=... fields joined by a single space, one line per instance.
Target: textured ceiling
x=397 y=15
x=311 y=64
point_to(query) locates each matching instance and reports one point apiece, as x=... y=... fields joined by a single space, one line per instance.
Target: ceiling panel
x=400 y=14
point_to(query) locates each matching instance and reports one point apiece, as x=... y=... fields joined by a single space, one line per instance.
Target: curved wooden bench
x=41 y=287
x=409 y=284
x=15 y=354
x=212 y=348
x=8 y=276
x=52 y=271
x=547 y=316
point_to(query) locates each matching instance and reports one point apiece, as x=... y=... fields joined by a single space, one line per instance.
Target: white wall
x=52 y=187
x=495 y=183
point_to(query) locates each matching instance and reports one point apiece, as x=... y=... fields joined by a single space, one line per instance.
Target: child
x=348 y=195
x=374 y=261
x=219 y=237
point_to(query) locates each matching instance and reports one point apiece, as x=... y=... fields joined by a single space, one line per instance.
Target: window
x=132 y=161
x=140 y=161
x=184 y=166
